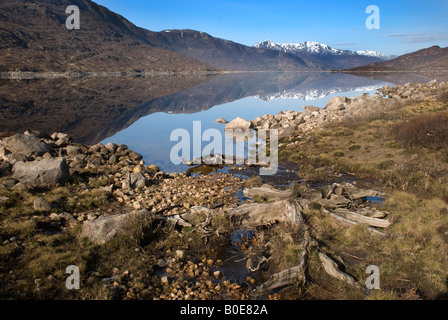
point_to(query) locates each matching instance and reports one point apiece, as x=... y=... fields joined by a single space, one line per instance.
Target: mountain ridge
x=226 y=54
x=321 y=53
x=428 y=59
x=33 y=37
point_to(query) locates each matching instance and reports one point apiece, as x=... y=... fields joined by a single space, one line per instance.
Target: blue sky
x=405 y=25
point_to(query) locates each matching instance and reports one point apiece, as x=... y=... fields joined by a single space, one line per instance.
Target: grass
x=414 y=255
x=428 y=131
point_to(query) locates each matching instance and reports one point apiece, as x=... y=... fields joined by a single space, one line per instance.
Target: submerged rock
x=238 y=123
x=222 y=121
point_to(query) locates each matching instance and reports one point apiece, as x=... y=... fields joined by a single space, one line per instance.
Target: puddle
x=376 y=200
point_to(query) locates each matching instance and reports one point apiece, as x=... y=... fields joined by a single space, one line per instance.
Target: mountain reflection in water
x=142 y=111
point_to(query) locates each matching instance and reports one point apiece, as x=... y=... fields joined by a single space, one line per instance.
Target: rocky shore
x=340 y=109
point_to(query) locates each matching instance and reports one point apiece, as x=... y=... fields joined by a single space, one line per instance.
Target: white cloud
x=419 y=37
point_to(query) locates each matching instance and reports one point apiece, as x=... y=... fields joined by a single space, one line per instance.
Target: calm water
x=142 y=112
x=150 y=135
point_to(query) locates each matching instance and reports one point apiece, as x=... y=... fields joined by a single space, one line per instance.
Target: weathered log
x=268 y=192
x=354 y=193
x=177 y=220
x=333 y=270
x=336 y=202
x=353 y=216
x=372 y=213
x=347 y=221
x=255 y=214
x=292 y=275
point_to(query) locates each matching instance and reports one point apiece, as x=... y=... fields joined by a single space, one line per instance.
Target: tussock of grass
x=425 y=131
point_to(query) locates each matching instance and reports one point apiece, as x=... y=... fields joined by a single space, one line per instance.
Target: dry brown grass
x=425 y=131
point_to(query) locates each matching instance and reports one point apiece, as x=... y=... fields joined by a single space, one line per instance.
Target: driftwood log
x=268 y=193
x=355 y=217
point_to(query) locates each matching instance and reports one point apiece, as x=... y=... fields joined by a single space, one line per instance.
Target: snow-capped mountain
x=370 y=53
x=315 y=93
x=322 y=53
x=315 y=48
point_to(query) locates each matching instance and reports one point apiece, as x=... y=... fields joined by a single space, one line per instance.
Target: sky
x=404 y=25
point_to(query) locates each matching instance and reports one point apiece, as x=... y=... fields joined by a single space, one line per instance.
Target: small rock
x=180 y=254
x=9 y=183
x=161 y=263
x=111 y=147
x=153 y=168
x=91 y=216
x=164 y=280
x=55 y=217
x=42 y=205
x=73 y=150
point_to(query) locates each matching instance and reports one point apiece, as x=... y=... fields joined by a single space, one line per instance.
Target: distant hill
x=429 y=59
x=226 y=54
x=326 y=56
x=33 y=37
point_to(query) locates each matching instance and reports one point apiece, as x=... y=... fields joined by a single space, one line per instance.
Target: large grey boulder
x=104 y=229
x=26 y=144
x=336 y=103
x=45 y=173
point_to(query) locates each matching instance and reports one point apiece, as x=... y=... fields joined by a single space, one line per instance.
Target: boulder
x=104 y=229
x=135 y=156
x=111 y=147
x=73 y=150
x=45 y=173
x=238 y=123
x=138 y=180
x=336 y=103
x=26 y=144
